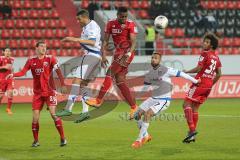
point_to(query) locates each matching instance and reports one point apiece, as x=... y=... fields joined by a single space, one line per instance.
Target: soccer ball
x=160 y=22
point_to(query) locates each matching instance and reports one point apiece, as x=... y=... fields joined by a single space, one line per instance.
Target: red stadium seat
x=169 y=32
x=196 y=51
x=236 y=42
x=16 y=4
x=56 y=44
x=134 y=4
x=49 y=33
x=9 y=23
x=52 y=23
x=145 y=4
x=238 y=5
x=221 y=5
x=23 y=14
x=20 y=53
x=212 y=4
x=41 y=24
x=70 y=33
x=15 y=14
x=60 y=33
x=30 y=23
x=186 y=42
x=67 y=45
x=6 y=34
x=54 y=14
x=61 y=23
x=27 y=4
x=20 y=23
x=52 y=52
x=143 y=14
x=185 y=52
x=1 y=23
x=75 y=52
x=177 y=42
x=45 y=14
x=84 y=4
x=16 y=33
x=231 y=5
x=235 y=51
x=195 y=42
x=3 y=43
x=37 y=4
x=106 y=5
x=179 y=32
x=37 y=33
x=226 y=42
x=48 y=4
x=64 y=52
x=23 y=44
x=27 y=33
x=33 y=14
x=30 y=52
x=13 y=43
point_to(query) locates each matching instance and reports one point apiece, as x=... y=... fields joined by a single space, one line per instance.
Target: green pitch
x=111 y=136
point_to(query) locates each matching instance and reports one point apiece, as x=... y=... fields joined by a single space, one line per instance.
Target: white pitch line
x=220 y=116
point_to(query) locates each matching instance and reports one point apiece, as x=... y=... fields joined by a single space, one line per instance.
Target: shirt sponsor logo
x=38 y=71
x=115 y=31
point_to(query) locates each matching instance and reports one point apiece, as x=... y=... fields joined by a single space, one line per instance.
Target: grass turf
x=111 y=136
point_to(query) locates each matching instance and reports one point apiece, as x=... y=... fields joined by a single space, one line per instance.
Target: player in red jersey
x=6 y=63
x=123 y=33
x=41 y=67
x=209 y=71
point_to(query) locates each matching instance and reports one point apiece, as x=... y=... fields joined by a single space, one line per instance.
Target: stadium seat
x=41 y=24
x=23 y=44
x=236 y=42
x=20 y=23
x=23 y=14
x=16 y=4
x=60 y=33
x=235 y=51
x=196 y=42
x=196 y=51
x=75 y=52
x=52 y=23
x=84 y=4
x=37 y=33
x=20 y=53
x=179 y=32
x=52 y=52
x=185 y=52
x=135 y=4
x=37 y=4
x=27 y=4
x=15 y=14
x=49 y=33
x=45 y=14
x=13 y=43
x=144 y=4
x=3 y=43
x=168 y=32
x=48 y=4
x=226 y=42
x=67 y=45
x=231 y=5
x=33 y=14
x=61 y=23
x=16 y=33
x=54 y=14
x=27 y=33
x=9 y=23
x=105 y=5
x=70 y=33
x=30 y=23
x=177 y=42
x=143 y=14
x=6 y=34
x=56 y=44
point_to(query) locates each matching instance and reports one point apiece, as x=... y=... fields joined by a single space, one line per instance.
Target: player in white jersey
x=90 y=41
x=159 y=79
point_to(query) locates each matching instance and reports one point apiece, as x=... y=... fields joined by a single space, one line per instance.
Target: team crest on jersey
x=45 y=64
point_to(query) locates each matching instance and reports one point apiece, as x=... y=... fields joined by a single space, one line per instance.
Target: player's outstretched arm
x=218 y=75
x=79 y=40
x=188 y=77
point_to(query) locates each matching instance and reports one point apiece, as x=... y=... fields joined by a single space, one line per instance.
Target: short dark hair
x=213 y=40
x=7 y=47
x=158 y=53
x=83 y=12
x=122 y=10
x=39 y=42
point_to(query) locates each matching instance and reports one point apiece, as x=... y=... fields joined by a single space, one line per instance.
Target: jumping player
x=123 y=32
x=209 y=71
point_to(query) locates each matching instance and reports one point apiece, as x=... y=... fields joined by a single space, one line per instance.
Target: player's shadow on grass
x=106 y=107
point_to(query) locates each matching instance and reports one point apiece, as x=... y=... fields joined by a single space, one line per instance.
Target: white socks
x=72 y=97
x=84 y=94
x=143 y=131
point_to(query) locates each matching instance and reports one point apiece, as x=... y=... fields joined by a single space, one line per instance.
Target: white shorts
x=156 y=105
x=89 y=67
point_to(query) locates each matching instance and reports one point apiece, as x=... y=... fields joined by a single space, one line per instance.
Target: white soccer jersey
x=92 y=31
x=160 y=81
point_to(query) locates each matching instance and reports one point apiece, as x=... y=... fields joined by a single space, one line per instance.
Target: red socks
x=189 y=117
x=195 y=119
x=59 y=126
x=105 y=87
x=9 y=103
x=126 y=94
x=35 y=129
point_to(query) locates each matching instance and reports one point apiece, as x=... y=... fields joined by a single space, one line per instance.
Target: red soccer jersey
x=42 y=73
x=209 y=62
x=4 y=61
x=121 y=33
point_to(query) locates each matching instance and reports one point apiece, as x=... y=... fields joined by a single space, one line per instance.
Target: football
x=160 y=22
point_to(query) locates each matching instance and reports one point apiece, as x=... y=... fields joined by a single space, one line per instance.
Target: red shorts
x=39 y=100
x=120 y=67
x=6 y=85
x=197 y=94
